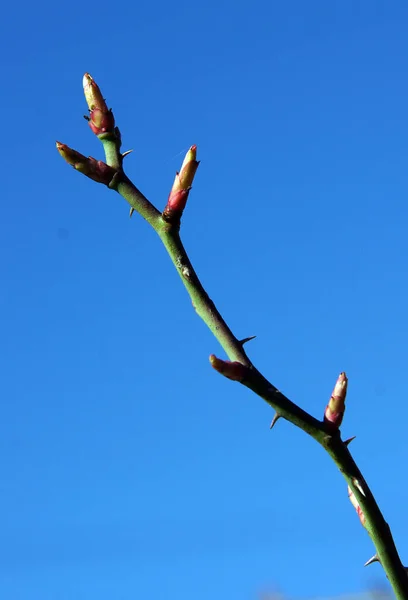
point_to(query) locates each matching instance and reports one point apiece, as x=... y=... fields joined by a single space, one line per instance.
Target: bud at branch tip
x=334 y=412
x=100 y=119
x=92 y=168
x=181 y=187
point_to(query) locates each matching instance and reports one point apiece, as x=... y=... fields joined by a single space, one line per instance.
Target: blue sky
x=129 y=468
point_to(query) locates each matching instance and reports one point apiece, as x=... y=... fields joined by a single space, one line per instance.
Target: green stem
x=202 y=303
x=122 y=184
x=375 y=524
x=111 y=146
x=207 y=310
x=377 y=528
x=137 y=200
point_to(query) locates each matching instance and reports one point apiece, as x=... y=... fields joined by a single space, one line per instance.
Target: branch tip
x=101 y=119
x=183 y=181
x=333 y=415
x=92 y=168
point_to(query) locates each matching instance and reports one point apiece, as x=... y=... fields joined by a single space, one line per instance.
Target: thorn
x=132 y=210
x=247 y=339
x=372 y=560
x=126 y=153
x=275 y=418
x=347 y=442
x=358 y=486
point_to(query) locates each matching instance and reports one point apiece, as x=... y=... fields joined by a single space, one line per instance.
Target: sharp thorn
x=372 y=560
x=126 y=153
x=275 y=418
x=132 y=210
x=358 y=486
x=347 y=442
x=247 y=339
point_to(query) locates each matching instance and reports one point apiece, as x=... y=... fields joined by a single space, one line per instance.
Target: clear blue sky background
x=130 y=469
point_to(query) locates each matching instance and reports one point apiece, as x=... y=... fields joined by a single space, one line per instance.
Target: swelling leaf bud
x=334 y=412
x=232 y=370
x=181 y=187
x=101 y=119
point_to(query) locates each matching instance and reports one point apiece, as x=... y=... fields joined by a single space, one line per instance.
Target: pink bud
x=92 y=168
x=334 y=412
x=101 y=119
x=177 y=201
x=233 y=370
x=356 y=505
x=181 y=187
x=188 y=168
x=71 y=156
x=101 y=122
x=93 y=94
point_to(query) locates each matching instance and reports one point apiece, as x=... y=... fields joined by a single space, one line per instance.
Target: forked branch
x=239 y=367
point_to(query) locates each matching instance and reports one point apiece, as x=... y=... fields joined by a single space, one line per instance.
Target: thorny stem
x=202 y=303
x=136 y=199
x=378 y=529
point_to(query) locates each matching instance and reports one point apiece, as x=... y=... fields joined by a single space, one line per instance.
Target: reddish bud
x=184 y=179
x=101 y=119
x=72 y=157
x=181 y=186
x=93 y=94
x=356 y=505
x=233 y=370
x=92 y=168
x=334 y=412
x=101 y=122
